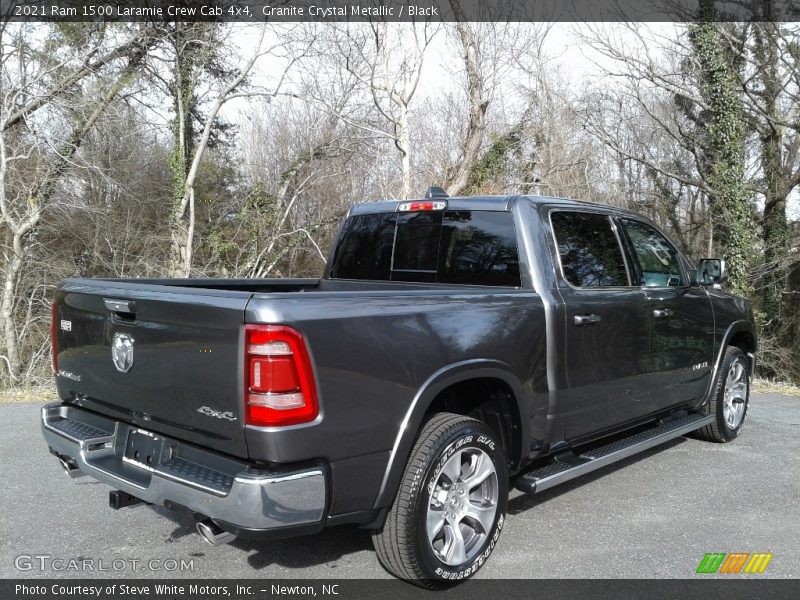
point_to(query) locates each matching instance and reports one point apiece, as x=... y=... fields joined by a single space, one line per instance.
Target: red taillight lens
x=53 y=334
x=422 y=206
x=273 y=375
x=279 y=382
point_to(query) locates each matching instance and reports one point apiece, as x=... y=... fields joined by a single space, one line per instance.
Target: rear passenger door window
x=657 y=257
x=479 y=248
x=589 y=250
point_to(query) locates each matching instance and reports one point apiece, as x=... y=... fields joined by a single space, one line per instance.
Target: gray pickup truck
x=453 y=348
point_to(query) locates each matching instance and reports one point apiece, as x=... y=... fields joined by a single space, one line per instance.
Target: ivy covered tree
x=733 y=223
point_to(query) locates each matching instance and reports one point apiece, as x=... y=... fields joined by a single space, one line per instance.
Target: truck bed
x=187 y=375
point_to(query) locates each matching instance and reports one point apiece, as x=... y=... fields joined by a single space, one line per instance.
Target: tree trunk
x=775 y=232
x=403 y=143
x=477 y=105
x=7 y=307
x=731 y=212
x=183 y=228
x=792 y=306
x=184 y=102
x=775 y=228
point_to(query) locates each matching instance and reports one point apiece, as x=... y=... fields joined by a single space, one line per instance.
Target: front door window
x=658 y=259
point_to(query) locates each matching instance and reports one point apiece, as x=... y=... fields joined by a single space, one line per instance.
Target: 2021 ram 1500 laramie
x=453 y=347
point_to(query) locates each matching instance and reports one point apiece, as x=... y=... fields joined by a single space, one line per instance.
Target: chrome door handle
x=662 y=313
x=581 y=320
x=121 y=309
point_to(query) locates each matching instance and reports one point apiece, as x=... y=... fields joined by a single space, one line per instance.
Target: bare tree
x=477 y=104
x=495 y=56
x=385 y=61
x=184 y=216
x=770 y=82
x=34 y=158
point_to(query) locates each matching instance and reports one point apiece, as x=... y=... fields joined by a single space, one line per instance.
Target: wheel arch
x=429 y=397
x=741 y=334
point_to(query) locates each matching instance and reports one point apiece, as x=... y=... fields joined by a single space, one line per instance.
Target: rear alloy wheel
x=731 y=396
x=462 y=507
x=450 y=507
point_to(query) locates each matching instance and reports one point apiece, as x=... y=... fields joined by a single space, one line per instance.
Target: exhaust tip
x=72 y=471
x=213 y=533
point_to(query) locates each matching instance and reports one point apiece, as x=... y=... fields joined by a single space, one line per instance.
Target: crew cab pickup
x=453 y=348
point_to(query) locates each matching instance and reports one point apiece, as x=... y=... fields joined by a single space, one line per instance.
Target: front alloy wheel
x=735 y=398
x=728 y=403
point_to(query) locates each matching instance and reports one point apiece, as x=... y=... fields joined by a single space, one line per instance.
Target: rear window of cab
x=456 y=247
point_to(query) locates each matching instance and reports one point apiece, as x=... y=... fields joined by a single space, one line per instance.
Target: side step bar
x=559 y=471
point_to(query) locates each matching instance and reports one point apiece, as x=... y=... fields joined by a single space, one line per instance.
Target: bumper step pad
x=197 y=475
x=559 y=471
x=78 y=431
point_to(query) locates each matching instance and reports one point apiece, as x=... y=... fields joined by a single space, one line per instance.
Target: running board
x=559 y=471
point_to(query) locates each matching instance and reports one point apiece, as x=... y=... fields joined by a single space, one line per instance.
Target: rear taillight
x=279 y=383
x=53 y=334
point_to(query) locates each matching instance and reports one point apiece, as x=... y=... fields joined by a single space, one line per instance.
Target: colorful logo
x=735 y=562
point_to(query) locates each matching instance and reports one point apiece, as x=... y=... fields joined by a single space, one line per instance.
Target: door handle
x=581 y=320
x=123 y=309
x=662 y=313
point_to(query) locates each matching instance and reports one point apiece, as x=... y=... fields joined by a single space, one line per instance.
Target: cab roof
x=489 y=203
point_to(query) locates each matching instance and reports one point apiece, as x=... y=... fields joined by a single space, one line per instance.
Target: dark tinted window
x=658 y=259
x=589 y=250
x=479 y=248
x=416 y=248
x=467 y=247
x=365 y=248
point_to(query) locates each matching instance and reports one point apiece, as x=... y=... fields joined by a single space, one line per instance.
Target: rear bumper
x=173 y=472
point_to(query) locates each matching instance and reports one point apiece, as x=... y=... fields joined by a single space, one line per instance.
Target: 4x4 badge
x=122 y=352
x=213 y=412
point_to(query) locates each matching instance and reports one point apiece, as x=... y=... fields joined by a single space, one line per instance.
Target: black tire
x=719 y=430
x=403 y=545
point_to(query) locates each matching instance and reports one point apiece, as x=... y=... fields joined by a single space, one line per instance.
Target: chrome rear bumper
x=207 y=483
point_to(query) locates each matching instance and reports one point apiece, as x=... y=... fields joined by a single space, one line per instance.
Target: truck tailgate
x=185 y=374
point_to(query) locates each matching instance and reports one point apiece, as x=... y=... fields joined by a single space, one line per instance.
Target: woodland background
x=224 y=150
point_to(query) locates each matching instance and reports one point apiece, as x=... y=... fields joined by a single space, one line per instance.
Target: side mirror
x=712 y=270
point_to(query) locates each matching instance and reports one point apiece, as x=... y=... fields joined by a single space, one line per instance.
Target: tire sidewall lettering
x=448 y=452
x=478 y=561
x=485 y=443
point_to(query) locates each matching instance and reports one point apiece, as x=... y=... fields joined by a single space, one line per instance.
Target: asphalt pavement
x=652 y=516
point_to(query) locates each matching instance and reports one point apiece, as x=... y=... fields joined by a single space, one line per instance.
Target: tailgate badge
x=122 y=352
x=219 y=414
x=66 y=325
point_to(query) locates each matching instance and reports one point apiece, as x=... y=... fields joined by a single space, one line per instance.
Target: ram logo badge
x=213 y=412
x=66 y=325
x=122 y=352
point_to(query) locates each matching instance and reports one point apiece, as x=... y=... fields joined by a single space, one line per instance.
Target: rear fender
x=414 y=417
